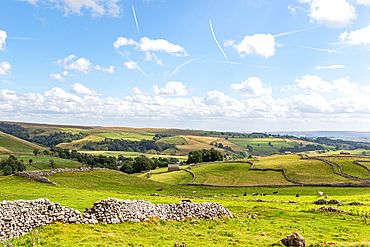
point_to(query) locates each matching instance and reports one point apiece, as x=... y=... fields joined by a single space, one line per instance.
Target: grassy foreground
x=255 y=223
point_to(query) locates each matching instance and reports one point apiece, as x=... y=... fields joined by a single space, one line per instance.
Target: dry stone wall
x=17 y=218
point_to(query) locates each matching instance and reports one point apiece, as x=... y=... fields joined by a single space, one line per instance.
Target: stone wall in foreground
x=18 y=218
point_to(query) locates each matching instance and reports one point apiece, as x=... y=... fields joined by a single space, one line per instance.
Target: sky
x=240 y=65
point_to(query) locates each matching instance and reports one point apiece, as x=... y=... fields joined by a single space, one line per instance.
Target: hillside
x=174 y=142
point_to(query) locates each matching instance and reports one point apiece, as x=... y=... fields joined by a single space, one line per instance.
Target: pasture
x=255 y=223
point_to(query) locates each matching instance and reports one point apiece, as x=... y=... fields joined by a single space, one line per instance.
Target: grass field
x=305 y=171
x=272 y=222
x=25 y=144
x=46 y=165
x=134 y=154
x=10 y=143
x=348 y=166
x=177 y=177
x=178 y=140
x=236 y=174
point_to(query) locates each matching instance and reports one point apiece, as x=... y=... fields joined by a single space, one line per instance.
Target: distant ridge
x=328 y=134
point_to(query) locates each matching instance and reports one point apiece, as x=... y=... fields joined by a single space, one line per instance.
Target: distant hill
x=328 y=134
x=155 y=141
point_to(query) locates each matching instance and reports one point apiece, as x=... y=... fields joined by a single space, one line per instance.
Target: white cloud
x=366 y=88
x=317 y=84
x=330 y=67
x=172 y=88
x=251 y=87
x=108 y=70
x=81 y=65
x=3 y=37
x=97 y=7
x=66 y=73
x=81 y=89
x=131 y=65
x=5 y=68
x=136 y=90
x=258 y=44
x=357 y=37
x=147 y=45
x=368 y=68
x=332 y=13
x=162 y=45
x=150 y=57
x=56 y=105
x=229 y=43
x=124 y=41
x=364 y=2
x=58 y=77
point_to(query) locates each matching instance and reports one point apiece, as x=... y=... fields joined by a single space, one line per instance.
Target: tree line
x=128 y=164
x=127 y=145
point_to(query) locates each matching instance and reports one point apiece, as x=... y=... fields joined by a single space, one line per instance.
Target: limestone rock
x=294 y=239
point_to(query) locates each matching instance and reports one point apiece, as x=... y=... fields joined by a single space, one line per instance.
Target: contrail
x=214 y=37
x=317 y=49
x=189 y=61
x=286 y=33
x=137 y=26
x=245 y=64
x=137 y=66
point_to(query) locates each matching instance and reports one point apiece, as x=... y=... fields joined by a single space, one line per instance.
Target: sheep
x=320 y=193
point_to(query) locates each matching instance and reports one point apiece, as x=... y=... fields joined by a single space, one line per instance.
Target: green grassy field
x=272 y=222
x=305 y=171
x=135 y=154
x=9 y=143
x=236 y=174
x=177 y=177
x=178 y=140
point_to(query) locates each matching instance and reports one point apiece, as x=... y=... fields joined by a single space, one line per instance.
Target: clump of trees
x=128 y=146
x=204 y=155
x=58 y=137
x=161 y=135
x=12 y=165
x=128 y=164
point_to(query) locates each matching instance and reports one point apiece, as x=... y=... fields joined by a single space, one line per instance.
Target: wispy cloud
x=214 y=37
x=137 y=25
x=330 y=67
x=251 y=65
x=297 y=31
x=314 y=48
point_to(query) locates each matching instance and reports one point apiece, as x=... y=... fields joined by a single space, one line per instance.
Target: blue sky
x=241 y=65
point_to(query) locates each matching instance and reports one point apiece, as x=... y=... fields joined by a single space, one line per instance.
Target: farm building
x=173 y=167
x=345 y=152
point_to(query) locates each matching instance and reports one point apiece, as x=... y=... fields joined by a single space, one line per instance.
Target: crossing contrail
x=214 y=37
x=189 y=61
x=137 y=25
x=136 y=66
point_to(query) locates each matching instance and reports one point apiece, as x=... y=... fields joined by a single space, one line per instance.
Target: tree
x=7 y=170
x=35 y=151
x=141 y=163
x=46 y=152
x=52 y=164
x=195 y=157
x=30 y=161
